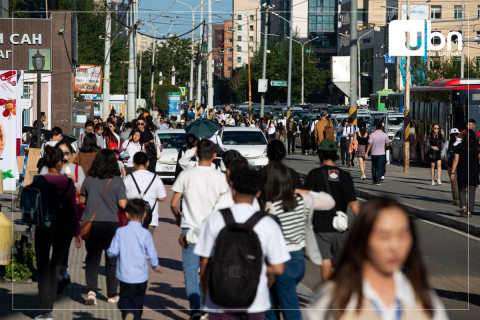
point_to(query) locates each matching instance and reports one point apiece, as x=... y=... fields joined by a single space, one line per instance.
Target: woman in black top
x=362 y=137
x=435 y=141
x=465 y=169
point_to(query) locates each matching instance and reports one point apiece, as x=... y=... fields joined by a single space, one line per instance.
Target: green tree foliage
x=277 y=69
x=447 y=68
x=161 y=95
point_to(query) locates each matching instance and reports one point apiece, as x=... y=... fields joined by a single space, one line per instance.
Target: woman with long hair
x=132 y=146
x=292 y=210
x=87 y=152
x=362 y=137
x=103 y=192
x=52 y=241
x=149 y=143
x=99 y=134
x=271 y=129
x=465 y=170
x=111 y=141
x=435 y=142
x=380 y=271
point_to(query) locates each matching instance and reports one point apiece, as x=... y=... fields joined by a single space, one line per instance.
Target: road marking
x=448 y=228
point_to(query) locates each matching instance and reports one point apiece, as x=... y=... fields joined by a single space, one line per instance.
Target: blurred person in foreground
x=380 y=273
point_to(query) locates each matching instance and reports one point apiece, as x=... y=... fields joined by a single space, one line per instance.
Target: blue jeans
x=284 y=292
x=377 y=167
x=191 y=263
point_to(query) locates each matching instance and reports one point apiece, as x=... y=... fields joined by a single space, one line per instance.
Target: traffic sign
x=174 y=93
x=389 y=59
x=278 y=83
x=183 y=90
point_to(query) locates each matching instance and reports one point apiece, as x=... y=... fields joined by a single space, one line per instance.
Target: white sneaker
x=91 y=298
x=433 y=182
x=113 y=299
x=382 y=178
x=439 y=182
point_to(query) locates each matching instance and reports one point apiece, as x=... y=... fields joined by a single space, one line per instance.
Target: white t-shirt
x=201 y=187
x=284 y=121
x=226 y=201
x=271 y=240
x=156 y=191
x=271 y=128
x=50 y=143
x=131 y=148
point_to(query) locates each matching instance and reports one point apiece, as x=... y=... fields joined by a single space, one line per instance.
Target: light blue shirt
x=163 y=126
x=131 y=244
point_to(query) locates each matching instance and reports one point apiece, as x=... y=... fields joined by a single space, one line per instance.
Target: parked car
x=249 y=141
x=397 y=146
x=171 y=142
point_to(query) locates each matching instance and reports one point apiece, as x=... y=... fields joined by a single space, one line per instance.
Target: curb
x=432 y=216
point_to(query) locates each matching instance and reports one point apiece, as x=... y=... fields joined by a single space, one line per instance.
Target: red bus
x=447 y=102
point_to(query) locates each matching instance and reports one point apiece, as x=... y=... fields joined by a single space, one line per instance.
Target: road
x=450 y=256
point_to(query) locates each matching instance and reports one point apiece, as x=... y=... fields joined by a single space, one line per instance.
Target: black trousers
x=305 y=141
x=132 y=297
x=101 y=236
x=48 y=267
x=290 y=142
x=344 y=146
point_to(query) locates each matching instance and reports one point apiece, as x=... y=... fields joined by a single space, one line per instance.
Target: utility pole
x=140 y=77
x=173 y=75
x=289 y=88
x=160 y=78
x=199 y=68
x=250 y=114
x=131 y=100
x=190 y=90
x=152 y=91
x=106 y=71
x=209 y=62
x=462 y=58
x=353 y=54
x=406 y=121
x=264 y=68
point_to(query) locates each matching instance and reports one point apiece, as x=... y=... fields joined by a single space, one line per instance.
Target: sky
x=151 y=10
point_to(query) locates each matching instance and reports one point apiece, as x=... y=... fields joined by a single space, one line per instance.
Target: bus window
x=443 y=117
x=434 y=108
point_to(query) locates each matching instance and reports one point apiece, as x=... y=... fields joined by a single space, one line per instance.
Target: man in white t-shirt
x=145 y=179
x=245 y=188
x=200 y=188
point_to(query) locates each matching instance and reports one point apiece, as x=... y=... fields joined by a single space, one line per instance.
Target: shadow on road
x=459 y=296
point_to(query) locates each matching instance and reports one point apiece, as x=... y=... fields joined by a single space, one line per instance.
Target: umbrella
x=203 y=128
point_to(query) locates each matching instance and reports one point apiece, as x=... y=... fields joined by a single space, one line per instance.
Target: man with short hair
x=320 y=127
x=162 y=125
x=471 y=126
x=56 y=136
x=339 y=184
x=150 y=185
x=89 y=127
x=245 y=188
x=377 y=142
x=200 y=188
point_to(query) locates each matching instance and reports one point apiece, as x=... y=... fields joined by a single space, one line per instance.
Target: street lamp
x=38 y=62
x=303 y=47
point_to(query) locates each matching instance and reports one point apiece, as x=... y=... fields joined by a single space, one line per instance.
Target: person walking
x=381 y=273
x=104 y=193
x=305 y=135
x=377 y=143
x=362 y=137
x=291 y=134
x=111 y=141
x=435 y=145
x=200 y=187
x=465 y=169
x=130 y=246
x=270 y=130
x=149 y=143
x=54 y=239
x=87 y=153
x=147 y=186
x=99 y=134
x=292 y=210
x=339 y=184
x=448 y=153
x=276 y=152
x=342 y=132
x=319 y=130
x=245 y=188
x=132 y=146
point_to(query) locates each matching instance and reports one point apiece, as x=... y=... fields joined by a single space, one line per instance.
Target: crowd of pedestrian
x=243 y=232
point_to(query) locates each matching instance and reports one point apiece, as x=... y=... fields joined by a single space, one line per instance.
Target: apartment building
x=246 y=25
x=227 y=49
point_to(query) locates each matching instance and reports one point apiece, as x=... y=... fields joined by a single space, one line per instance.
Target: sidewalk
x=414 y=189
x=165 y=297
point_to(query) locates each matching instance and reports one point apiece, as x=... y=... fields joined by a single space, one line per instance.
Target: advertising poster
x=8 y=128
x=173 y=102
x=88 y=79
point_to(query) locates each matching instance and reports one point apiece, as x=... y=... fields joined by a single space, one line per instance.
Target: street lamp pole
x=264 y=68
x=358 y=63
x=199 y=71
x=38 y=62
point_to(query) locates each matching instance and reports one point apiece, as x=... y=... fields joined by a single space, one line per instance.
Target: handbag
x=87 y=226
x=430 y=156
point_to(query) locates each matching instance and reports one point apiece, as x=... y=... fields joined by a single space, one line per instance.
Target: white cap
x=454 y=131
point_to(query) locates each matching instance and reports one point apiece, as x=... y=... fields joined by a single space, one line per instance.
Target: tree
x=161 y=95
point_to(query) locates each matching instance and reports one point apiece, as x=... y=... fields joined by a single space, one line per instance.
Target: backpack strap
x=136 y=185
x=227 y=216
x=252 y=221
x=76 y=173
x=151 y=182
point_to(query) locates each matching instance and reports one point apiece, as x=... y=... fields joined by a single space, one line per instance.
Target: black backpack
x=148 y=219
x=41 y=206
x=236 y=265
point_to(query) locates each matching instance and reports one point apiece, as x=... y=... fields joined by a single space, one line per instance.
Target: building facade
x=246 y=25
x=227 y=49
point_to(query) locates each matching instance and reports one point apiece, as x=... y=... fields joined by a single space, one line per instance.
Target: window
x=230 y=50
x=252 y=17
x=239 y=59
x=436 y=40
x=230 y=40
x=435 y=12
x=239 y=17
x=239 y=38
x=251 y=49
x=251 y=28
x=229 y=29
x=457 y=12
x=230 y=69
x=239 y=48
x=251 y=39
x=478 y=11
x=230 y=59
x=239 y=27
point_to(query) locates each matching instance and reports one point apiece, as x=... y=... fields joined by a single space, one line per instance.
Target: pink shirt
x=378 y=139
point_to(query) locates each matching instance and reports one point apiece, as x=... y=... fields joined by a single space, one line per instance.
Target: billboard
x=88 y=79
x=173 y=102
x=9 y=114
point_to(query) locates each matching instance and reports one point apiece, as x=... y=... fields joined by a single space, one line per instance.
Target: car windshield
x=395 y=121
x=172 y=140
x=243 y=138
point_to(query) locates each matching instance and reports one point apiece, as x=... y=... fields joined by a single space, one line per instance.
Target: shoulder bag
x=87 y=226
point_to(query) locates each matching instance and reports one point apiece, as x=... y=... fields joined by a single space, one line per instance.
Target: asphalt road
x=451 y=258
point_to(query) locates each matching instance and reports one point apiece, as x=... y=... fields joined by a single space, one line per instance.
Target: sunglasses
x=436 y=128
x=66 y=153
x=141 y=123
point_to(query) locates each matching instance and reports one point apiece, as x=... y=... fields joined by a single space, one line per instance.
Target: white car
x=249 y=141
x=171 y=142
